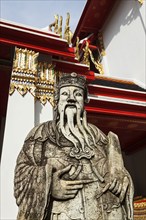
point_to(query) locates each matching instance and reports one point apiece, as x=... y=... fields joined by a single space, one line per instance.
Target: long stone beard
x=73 y=125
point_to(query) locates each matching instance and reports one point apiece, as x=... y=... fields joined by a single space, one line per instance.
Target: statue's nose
x=70 y=100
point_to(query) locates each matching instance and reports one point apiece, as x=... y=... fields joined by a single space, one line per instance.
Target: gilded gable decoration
x=29 y=75
x=101 y=44
x=96 y=63
x=45 y=82
x=84 y=54
x=25 y=61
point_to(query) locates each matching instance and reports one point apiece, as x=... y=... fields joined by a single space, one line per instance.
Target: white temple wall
x=43 y=112
x=23 y=113
x=124 y=41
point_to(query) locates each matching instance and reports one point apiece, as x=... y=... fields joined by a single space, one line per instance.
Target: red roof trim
x=115 y=112
x=47 y=50
x=26 y=28
x=93 y=18
x=117 y=93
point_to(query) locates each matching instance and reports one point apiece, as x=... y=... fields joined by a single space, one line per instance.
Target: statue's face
x=72 y=121
x=71 y=97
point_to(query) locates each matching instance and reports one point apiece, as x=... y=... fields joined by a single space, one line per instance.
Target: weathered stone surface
x=68 y=169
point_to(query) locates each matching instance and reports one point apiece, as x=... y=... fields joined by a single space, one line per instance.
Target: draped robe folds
x=41 y=156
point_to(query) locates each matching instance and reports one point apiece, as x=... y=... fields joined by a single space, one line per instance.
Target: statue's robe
x=41 y=156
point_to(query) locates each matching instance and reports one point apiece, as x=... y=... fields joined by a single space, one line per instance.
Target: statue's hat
x=72 y=80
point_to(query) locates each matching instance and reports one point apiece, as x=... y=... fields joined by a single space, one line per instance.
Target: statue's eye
x=64 y=93
x=78 y=94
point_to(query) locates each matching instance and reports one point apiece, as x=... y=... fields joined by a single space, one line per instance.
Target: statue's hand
x=119 y=187
x=65 y=189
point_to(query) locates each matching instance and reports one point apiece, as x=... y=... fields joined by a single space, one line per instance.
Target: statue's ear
x=86 y=94
x=55 y=114
x=87 y=100
x=56 y=94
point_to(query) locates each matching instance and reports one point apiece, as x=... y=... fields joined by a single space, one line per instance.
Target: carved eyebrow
x=77 y=90
x=64 y=92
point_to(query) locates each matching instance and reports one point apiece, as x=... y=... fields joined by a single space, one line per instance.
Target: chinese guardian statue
x=69 y=169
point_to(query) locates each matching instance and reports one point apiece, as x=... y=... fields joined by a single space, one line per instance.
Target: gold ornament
x=30 y=76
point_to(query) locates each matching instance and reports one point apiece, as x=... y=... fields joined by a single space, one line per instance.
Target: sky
x=40 y=13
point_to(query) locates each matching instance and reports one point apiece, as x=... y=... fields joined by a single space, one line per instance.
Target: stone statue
x=69 y=169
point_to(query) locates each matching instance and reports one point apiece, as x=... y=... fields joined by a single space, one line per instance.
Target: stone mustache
x=68 y=169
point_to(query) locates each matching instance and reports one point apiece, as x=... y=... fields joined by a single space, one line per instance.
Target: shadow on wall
x=43 y=113
x=124 y=13
x=38 y=112
x=136 y=165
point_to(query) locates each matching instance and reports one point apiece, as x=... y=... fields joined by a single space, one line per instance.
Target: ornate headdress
x=72 y=80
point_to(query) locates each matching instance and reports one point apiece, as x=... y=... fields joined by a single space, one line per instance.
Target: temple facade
x=107 y=48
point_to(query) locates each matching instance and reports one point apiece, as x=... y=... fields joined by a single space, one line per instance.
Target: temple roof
x=93 y=18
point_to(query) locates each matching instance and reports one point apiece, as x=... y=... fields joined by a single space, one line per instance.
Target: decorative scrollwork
x=101 y=44
x=44 y=98
x=97 y=64
x=88 y=56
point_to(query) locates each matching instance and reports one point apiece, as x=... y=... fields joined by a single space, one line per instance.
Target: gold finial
x=86 y=55
x=57 y=24
x=77 y=49
x=60 y=27
x=54 y=24
x=68 y=33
